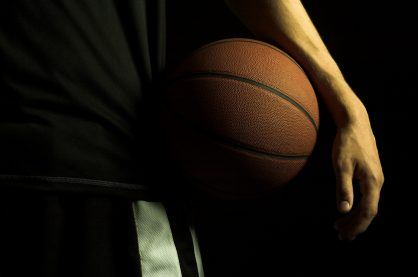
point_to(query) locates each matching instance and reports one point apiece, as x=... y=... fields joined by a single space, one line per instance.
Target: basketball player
x=76 y=198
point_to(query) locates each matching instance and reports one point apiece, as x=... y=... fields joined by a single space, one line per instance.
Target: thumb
x=345 y=195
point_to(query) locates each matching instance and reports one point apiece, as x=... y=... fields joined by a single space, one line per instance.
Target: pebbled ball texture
x=240 y=118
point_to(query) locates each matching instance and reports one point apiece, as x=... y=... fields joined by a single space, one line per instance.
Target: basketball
x=240 y=118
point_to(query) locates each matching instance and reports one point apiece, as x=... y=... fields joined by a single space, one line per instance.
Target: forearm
x=286 y=24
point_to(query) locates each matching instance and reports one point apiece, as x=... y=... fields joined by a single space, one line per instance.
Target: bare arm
x=287 y=24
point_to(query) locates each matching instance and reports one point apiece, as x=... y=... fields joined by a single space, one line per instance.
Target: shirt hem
x=78 y=185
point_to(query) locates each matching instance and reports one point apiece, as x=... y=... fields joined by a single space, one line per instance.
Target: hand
x=355 y=156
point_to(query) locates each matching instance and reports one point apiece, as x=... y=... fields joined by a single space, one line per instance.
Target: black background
x=293 y=229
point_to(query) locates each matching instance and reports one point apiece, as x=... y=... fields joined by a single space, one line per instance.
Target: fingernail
x=344 y=206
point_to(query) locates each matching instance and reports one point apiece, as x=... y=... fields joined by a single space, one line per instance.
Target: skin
x=286 y=24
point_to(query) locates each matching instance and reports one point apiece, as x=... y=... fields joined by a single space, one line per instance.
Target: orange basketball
x=240 y=118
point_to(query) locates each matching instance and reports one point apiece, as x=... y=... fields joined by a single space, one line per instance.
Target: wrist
x=344 y=105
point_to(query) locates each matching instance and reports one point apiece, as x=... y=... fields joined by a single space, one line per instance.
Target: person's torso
x=72 y=78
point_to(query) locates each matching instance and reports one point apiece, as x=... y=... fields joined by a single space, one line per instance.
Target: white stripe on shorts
x=157 y=251
x=197 y=252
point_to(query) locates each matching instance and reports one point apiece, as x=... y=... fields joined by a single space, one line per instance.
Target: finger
x=369 y=204
x=358 y=222
x=345 y=196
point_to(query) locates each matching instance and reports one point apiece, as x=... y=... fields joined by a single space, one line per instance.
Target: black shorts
x=56 y=234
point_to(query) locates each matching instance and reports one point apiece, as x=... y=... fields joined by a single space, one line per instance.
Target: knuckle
x=382 y=179
x=343 y=164
x=344 y=192
x=369 y=213
x=375 y=178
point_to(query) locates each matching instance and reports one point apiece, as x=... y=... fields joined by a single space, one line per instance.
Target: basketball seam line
x=232 y=142
x=194 y=75
x=252 y=41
